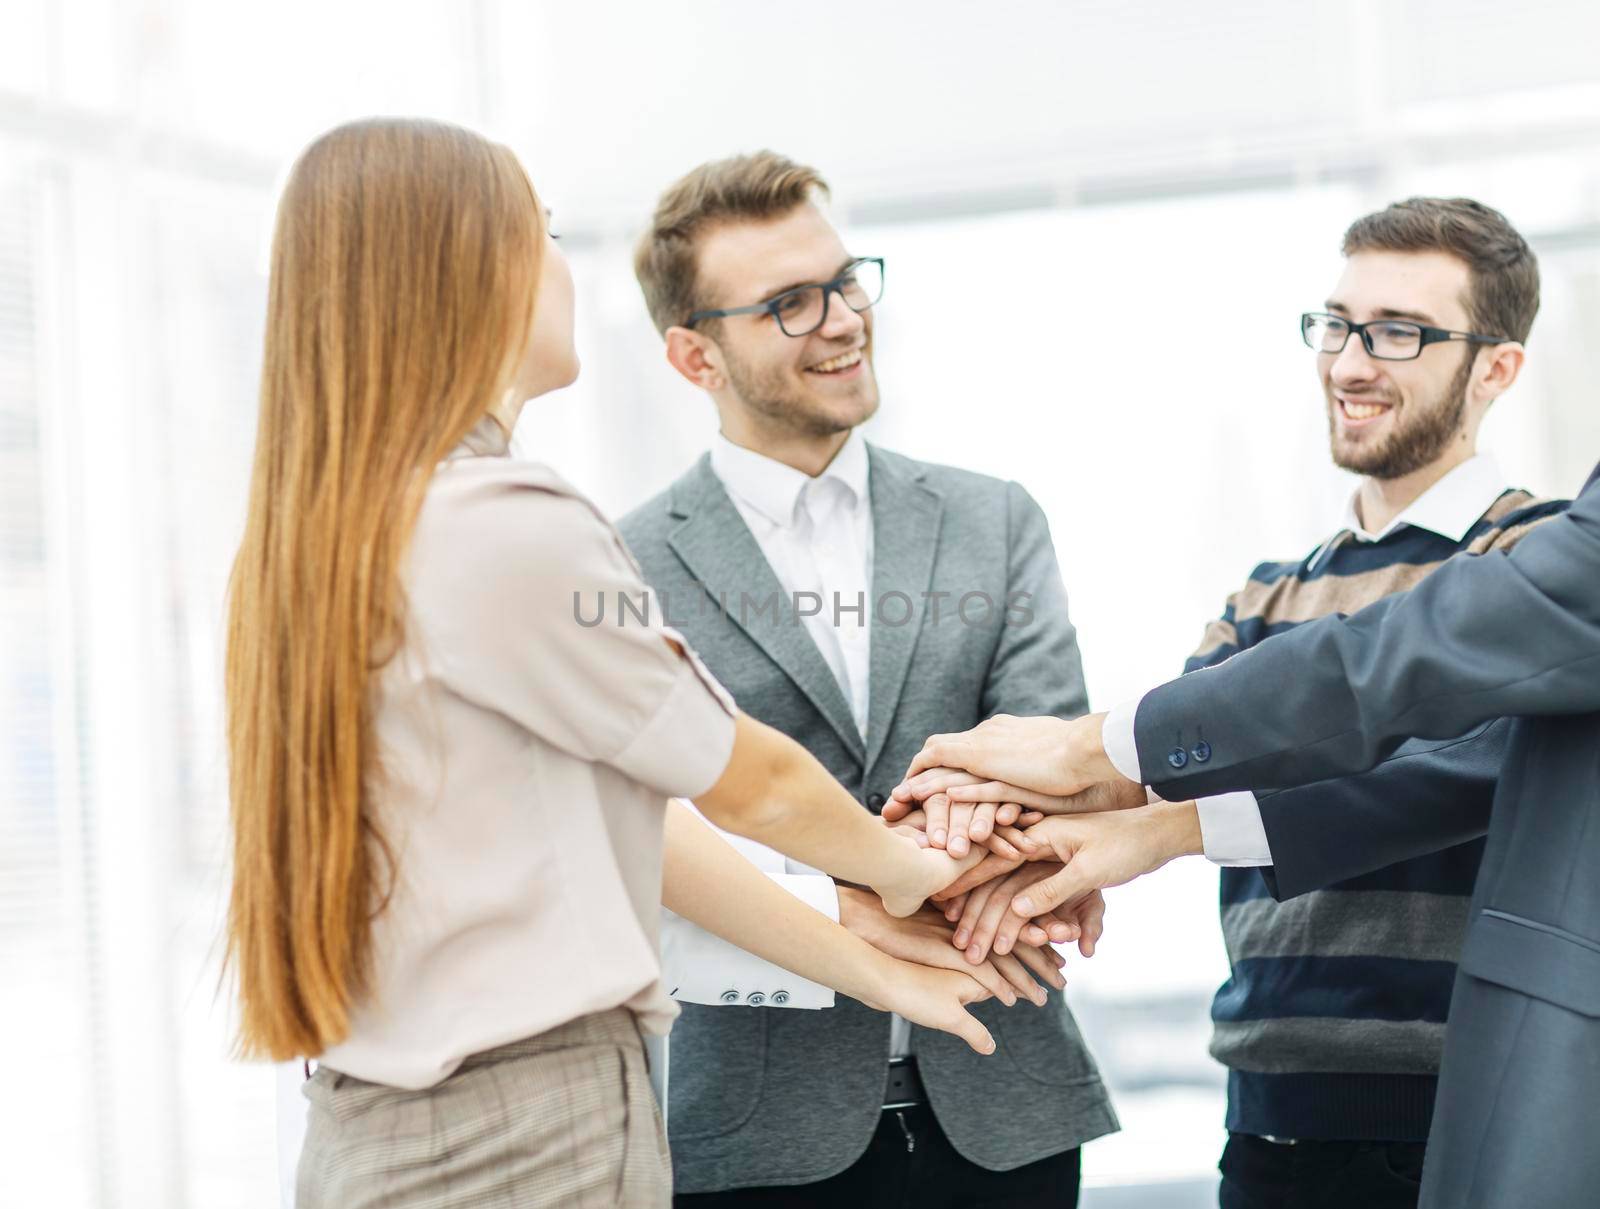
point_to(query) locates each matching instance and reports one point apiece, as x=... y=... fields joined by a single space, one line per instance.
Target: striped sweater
x=1332 y=1021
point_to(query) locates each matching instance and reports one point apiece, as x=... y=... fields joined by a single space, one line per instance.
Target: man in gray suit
x=1514 y=636
x=856 y=600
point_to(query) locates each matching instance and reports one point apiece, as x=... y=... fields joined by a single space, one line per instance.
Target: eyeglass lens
x=802 y=311
x=1394 y=340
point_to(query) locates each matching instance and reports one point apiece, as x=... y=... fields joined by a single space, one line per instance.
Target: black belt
x=903 y=1088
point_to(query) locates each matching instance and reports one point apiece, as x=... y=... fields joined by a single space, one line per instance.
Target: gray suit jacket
x=763 y=1096
x=1499 y=635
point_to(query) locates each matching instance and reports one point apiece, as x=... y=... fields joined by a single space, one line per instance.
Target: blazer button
x=755 y=998
x=875 y=801
x=1201 y=752
x=780 y=997
x=730 y=996
x=1177 y=757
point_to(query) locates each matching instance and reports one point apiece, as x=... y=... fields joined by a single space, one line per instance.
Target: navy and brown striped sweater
x=1332 y=1021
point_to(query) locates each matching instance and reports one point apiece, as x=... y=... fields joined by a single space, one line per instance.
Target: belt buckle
x=903 y=1087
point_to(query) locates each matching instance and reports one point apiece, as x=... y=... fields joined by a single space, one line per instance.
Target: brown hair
x=404 y=266
x=752 y=188
x=1504 y=295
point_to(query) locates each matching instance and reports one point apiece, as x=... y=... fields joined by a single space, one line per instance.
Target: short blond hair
x=754 y=187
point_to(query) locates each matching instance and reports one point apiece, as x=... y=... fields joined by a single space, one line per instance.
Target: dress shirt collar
x=772 y=488
x=1449 y=508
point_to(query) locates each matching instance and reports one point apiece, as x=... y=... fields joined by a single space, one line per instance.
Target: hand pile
x=1056 y=824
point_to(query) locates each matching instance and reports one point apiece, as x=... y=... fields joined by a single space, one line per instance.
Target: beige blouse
x=525 y=763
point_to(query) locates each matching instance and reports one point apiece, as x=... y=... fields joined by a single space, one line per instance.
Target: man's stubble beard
x=1413 y=444
x=773 y=399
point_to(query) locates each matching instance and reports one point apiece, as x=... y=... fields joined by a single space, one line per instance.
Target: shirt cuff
x=1232 y=832
x=1117 y=737
x=814 y=889
x=699 y=967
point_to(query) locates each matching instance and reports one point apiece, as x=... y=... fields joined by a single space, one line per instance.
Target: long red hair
x=405 y=261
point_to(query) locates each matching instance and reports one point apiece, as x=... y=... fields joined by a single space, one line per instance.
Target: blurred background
x=1101 y=221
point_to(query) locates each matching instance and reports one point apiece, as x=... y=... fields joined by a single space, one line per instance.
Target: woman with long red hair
x=449 y=798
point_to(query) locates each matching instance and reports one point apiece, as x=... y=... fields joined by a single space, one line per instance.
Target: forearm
x=1087 y=752
x=1097 y=851
x=1174 y=829
x=698 y=966
x=1431 y=797
x=776 y=793
x=1484 y=636
x=711 y=885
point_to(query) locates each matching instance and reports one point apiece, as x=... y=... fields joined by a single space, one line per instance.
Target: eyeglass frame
x=828 y=288
x=1428 y=335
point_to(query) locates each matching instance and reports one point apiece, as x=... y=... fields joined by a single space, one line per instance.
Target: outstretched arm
x=707 y=882
x=775 y=792
x=701 y=967
x=1484 y=636
x=1427 y=796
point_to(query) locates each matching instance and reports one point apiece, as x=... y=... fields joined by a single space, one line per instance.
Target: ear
x=1503 y=365
x=696 y=357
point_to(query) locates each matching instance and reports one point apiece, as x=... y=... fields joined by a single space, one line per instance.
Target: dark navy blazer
x=1507 y=640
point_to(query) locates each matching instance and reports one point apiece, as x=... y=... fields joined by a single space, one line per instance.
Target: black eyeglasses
x=1384 y=339
x=804 y=309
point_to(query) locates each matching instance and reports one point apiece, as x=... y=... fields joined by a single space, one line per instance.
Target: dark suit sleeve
x=1484 y=636
x=1429 y=795
x=1036 y=668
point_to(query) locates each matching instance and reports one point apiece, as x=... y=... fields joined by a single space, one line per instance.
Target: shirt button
x=875 y=801
x=780 y=997
x=1177 y=757
x=755 y=998
x=730 y=996
x=1201 y=752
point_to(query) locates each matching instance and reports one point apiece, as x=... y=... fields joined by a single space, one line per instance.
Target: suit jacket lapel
x=905 y=528
x=1594 y=478
x=719 y=550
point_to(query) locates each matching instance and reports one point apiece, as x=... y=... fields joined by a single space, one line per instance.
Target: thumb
x=1065 y=886
x=970 y=1029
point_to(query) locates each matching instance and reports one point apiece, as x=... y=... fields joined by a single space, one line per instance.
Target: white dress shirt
x=817 y=535
x=1230 y=823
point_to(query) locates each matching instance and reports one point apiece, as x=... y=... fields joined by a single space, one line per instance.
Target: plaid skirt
x=565 y=1119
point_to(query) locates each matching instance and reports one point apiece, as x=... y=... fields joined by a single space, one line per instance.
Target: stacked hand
x=924 y=938
x=1057 y=821
x=954 y=818
x=960 y=806
x=916 y=872
x=983 y=923
x=1045 y=755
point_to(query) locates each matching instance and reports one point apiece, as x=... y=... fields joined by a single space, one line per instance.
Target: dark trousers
x=911 y=1163
x=1258 y=1174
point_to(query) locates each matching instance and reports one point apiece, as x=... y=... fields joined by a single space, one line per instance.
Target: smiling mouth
x=1362 y=413
x=837 y=365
